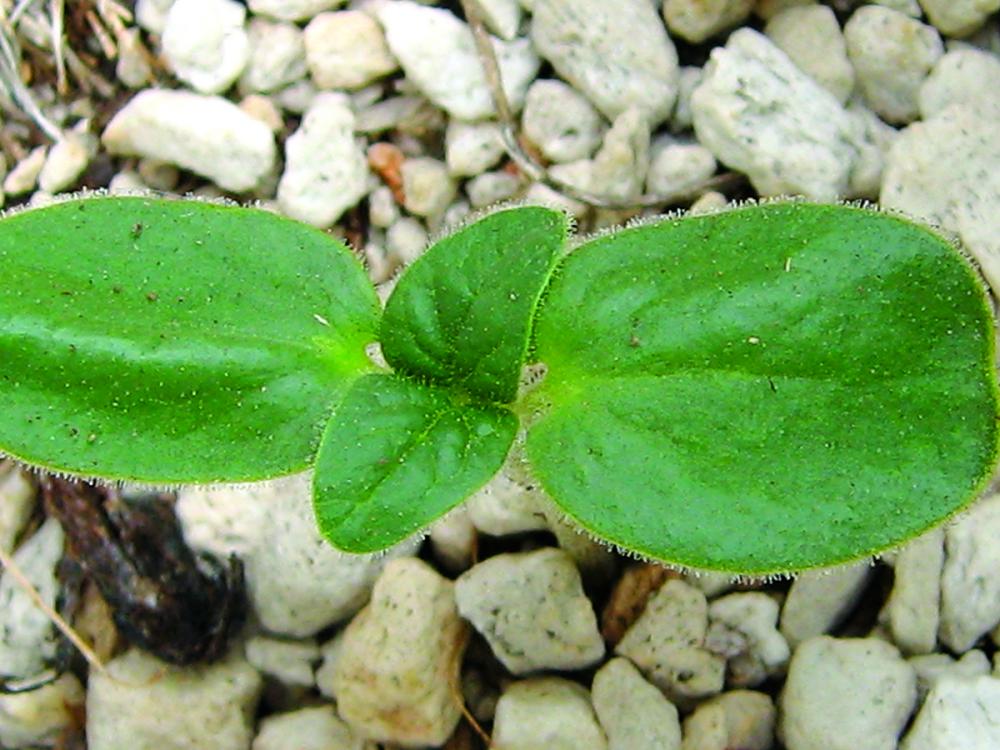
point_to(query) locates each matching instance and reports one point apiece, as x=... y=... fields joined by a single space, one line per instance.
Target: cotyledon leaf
x=397 y=455
x=174 y=341
x=765 y=390
x=461 y=314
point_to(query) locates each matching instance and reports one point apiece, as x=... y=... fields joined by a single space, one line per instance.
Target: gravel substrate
x=375 y=119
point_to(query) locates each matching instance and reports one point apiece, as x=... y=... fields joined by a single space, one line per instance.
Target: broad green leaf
x=399 y=454
x=461 y=314
x=769 y=389
x=174 y=341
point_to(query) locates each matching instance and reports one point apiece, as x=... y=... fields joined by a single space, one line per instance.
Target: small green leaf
x=461 y=314
x=174 y=341
x=770 y=389
x=397 y=455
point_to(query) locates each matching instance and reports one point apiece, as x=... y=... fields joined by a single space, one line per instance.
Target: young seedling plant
x=772 y=388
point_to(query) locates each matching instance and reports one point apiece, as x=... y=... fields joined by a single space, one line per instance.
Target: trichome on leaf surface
x=773 y=388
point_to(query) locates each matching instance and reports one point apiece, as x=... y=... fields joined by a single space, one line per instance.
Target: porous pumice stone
x=546 y=713
x=141 y=703
x=667 y=643
x=396 y=674
x=532 y=611
x=959 y=712
x=742 y=719
x=28 y=641
x=946 y=170
x=831 y=679
x=819 y=599
x=41 y=716
x=892 y=54
x=633 y=713
x=970 y=588
x=761 y=115
x=617 y=54
x=912 y=611
x=277 y=56
x=326 y=171
x=313 y=728
x=205 y=43
x=235 y=153
x=428 y=40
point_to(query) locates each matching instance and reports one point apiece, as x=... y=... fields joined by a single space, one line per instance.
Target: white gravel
x=205 y=43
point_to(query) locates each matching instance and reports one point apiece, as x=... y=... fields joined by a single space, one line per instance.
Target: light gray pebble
x=292 y=10
x=264 y=109
x=676 y=166
x=748 y=621
x=400 y=659
x=205 y=134
x=873 y=139
x=492 y=187
x=741 y=719
x=297 y=583
x=710 y=202
x=633 y=713
x=532 y=611
x=382 y=207
x=347 y=50
x=959 y=17
x=697 y=20
x=759 y=114
x=152 y=14
x=546 y=712
x=159 y=175
x=313 y=728
x=17 y=502
x=617 y=54
x=406 y=239
x=428 y=188
x=24 y=176
x=205 y=43
x=296 y=97
x=667 y=642
x=472 y=147
x=958 y=713
x=892 y=54
x=912 y=610
x=290 y=662
x=830 y=679
x=429 y=40
x=132 y=67
x=326 y=171
x=810 y=35
x=66 y=161
x=711 y=583
x=931 y=668
x=819 y=599
x=618 y=169
x=681 y=118
x=958 y=78
x=540 y=194
x=41 y=717
x=946 y=170
x=768 y=9
x=970 y=588
x=909 y=8
x=453 y=538
x=560 y=122
x=27 y=639
x=277 y=55
x=142 y=703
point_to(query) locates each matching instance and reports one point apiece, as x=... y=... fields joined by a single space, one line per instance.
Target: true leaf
x=397 y=455
x=461 y=314
x=769 y=389
x=174 y=341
